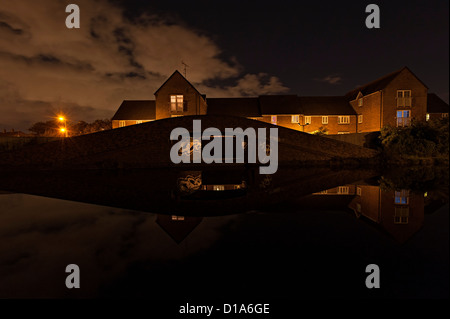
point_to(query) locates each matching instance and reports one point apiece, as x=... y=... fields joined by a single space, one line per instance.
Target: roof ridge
x=361 y=87
x=176 y=71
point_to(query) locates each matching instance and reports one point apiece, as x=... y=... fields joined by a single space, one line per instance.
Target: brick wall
x=370 y=111
x=404 y=81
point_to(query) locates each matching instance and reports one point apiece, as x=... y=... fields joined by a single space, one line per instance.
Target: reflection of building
x=212 y=184
x=178 y=227
x=399 y=213
x=394 y=99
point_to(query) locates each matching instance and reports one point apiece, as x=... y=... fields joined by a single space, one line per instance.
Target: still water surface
x=226 y=234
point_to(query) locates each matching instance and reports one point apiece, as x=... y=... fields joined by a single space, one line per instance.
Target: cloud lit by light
x=89 y=71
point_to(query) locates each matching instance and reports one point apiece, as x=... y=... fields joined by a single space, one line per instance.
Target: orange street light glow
x=61 y=118
x=62 y=129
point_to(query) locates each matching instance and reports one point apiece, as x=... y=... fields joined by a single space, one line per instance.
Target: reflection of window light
x=402 y=197
x=237 y=186
x=219 y=187
x=174 y=217
x=401 y=215
x=294 y=118
x=425 y=194
x=358 y=207
x=358 y=191
x=324 y=192
x=428 y=117
x=343 y=190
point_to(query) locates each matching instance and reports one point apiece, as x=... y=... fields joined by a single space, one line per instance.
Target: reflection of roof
x=136 y=110
x=436 y=105
x=178 y=230
x=245 y=107
x=222 y=177
x=326 y=105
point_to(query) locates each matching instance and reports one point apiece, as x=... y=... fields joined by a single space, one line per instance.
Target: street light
x=63 y=129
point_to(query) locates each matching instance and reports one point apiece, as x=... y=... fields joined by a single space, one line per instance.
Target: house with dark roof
x=436 y=107
x=394 y=99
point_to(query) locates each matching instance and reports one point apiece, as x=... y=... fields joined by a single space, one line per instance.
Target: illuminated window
x=273 y=119
x=401 y=215
x=360 y=102
x=403 y=118
x=404 y=98
x=121 y=123
x=219 y=187
x=343 y=190
x=343 y=119
x=294 y=118
x=343 y=133
x=324 y=119
x=176 y=103
x=444 y=115
x=139 y=122
x=402 y=197
x=428 y=117
x=360 y=118
x=307 y=120
x=174 y=217
x=358 y=191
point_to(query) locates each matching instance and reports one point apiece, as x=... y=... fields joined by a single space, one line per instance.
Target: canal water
x=225 y=234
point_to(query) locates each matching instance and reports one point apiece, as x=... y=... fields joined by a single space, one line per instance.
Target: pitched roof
x=178 y=230
x=136 y=110
x=435 y=104
x=379 y=84
x=178 y=73
x=245 y=107
x=326 y=105
x=374 y=86
x=279 y=104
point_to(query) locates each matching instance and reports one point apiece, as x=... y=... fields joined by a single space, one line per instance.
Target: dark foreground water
x=225 y=234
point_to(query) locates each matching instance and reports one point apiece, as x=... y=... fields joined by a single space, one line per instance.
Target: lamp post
x=303 y=126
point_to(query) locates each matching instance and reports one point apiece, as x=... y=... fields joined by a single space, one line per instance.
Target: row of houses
x=394 y=99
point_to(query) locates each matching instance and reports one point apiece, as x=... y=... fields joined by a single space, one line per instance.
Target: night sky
x=127 y=49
